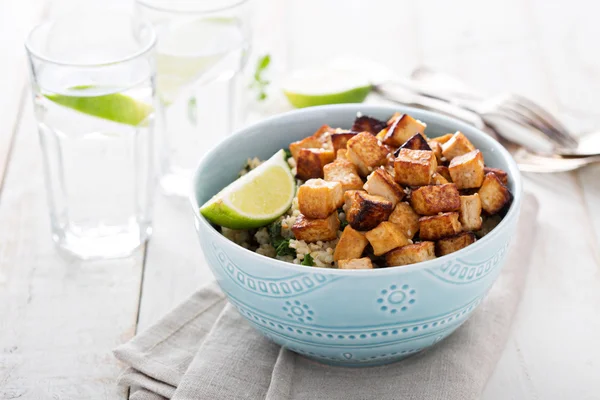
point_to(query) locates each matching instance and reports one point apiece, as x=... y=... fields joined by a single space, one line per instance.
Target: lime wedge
x=114 y=107
x=318 y=87
x=255 y=199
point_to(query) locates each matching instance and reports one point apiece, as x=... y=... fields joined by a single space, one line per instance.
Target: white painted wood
x=59 y=319
x=16 y=18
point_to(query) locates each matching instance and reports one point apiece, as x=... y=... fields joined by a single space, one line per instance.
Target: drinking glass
x=93 y=94
x=201 y=47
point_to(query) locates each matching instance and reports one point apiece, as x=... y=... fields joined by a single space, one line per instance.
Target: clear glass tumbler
x=202 y=45
x=93 y=92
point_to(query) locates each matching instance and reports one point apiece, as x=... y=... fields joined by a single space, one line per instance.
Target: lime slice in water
x=255 y=199
x=327 y=86
x=114 y=107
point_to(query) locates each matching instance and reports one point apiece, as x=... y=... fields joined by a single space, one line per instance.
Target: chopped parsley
x=281 y=244
x=288 y=153
x=308 y=261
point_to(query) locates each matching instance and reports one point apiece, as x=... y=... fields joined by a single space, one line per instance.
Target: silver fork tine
x=514 y=111
x=543 y=119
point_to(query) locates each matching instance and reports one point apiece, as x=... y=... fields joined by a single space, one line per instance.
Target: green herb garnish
x=343 y=225
x=308 y=261
x=259 y=82
x=288 y=153
x=281 y=245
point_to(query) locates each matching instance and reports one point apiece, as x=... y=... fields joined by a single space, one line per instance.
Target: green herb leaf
x=283 y=248
x=343 y=225
x=288 y=153
x=260 y=83
x=308 y=260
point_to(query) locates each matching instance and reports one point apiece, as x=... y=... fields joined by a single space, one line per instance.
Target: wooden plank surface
x=59 y=319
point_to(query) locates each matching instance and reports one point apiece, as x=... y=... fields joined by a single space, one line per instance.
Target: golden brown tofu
x=457 y=146
x=414 y=167
x=381 y=134
x=344 y=172
x=364 y=211
x=318 y=198
x=454 y=243
x=385 y=237
x=406 y=218
x=443 y=139
x=313 y=230
x=416 y=142
x=380 y=183
x=470 y=212
x=401 y=129
x=436 y=147
x=467 y=170
x=360 y=263
x=365 y=123
x=320 y=139
x=366 y=152
x=310 y=163
x=339 y=140
x=493 y=194
x=341 y=154
x=410 y=254
x=501 y=174
x=444 y=171
x=351 y=245
x=436 y=227
x=434 y=199
x=437 y=179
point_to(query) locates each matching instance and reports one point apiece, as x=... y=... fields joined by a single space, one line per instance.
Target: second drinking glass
x=202 y=46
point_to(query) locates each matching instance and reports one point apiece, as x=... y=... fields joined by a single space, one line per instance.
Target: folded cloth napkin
x=204 y=349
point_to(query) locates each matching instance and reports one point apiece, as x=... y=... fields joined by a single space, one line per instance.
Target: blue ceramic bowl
x=349 y=317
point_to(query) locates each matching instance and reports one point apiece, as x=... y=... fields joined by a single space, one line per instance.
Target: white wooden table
x=60 y=318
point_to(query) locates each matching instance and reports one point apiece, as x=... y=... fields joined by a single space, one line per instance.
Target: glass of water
x=93 y=93
x=202 y=45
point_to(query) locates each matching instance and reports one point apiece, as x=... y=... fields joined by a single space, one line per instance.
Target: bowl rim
x=441 y=119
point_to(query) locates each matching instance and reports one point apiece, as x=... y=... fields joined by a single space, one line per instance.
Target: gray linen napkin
x=204 y=349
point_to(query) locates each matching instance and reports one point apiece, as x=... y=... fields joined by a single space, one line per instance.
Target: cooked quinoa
x=397 y=223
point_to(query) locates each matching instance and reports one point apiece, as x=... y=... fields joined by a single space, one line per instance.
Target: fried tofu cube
x=339 y=140
x=436 y=147
x=501 y=174
x=310 y=163
x=351 y=245
x=410 y=254
x=444 y=171
x=457 y=146
x=318 y=198
x=443 y=139
x=360 y=263
x=414 y=167
x=436 y=227
x=381 y=183
x=434 y=199
x=437 y=179
x=401 y=129
x=406 y=218
x=416 y=142
x=467 y=170
x=454 y=243
x=381 y=134
x=493 y=194
x=365 y=123
x=341 y=154
x=320 y=139
x=313 y=230
x=364 y=211
x=366 y=152
x=344 y=172
x=469 y=214
x=385 y=237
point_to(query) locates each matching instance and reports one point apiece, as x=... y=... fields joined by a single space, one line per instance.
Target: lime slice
x=255 y=199
x=115 y=107
x=328 y=86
